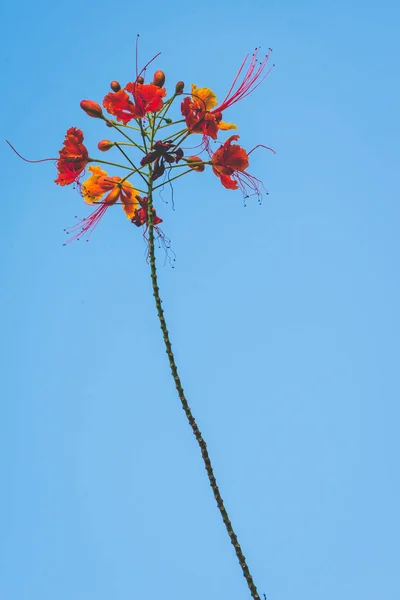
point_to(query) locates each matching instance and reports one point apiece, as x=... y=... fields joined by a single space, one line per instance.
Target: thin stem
x=106 y=162
x=162 y=114
x=144 y=135
x=136 y=170
x=170 y=124
x=176 y=177
x=124 y=125
x=185 y=135
x=112 y=123
x=175 y=135
x=189 y=415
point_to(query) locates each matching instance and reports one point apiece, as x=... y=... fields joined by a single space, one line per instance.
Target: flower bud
x=191 y=162
x=179 y=87
x=105 y=145
x=92 y=109
x=115 y=86
x=140 y=80
x=159 y=78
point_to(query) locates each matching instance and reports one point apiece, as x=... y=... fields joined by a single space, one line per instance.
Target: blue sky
x=284 y=317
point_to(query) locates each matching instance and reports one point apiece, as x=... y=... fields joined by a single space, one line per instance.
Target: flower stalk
x=185 y=405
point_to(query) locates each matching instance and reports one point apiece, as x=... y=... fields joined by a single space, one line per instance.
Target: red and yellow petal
x=97 y=185
x=204 y=97
x=129 y=200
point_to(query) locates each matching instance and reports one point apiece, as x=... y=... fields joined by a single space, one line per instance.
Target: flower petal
x=226 y=126
x=129 y=200
x=204 y=96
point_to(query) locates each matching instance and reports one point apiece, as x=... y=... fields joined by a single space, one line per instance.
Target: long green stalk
x=188 y=412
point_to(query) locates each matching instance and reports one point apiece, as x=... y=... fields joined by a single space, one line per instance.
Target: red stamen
x=250 y=183
x=27 y=160
x=149 y=63
x=137 y=55
x=261 y=146
x=250 y=82
x=88 y=223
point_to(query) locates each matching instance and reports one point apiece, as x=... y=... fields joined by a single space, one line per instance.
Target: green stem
x=124 y=125
x=170 y=124
x=176 y=177
x=136 y=170
x=106 y=162
x=112 y=123
x=144 y=136
x=162 y=114
x=189 y=415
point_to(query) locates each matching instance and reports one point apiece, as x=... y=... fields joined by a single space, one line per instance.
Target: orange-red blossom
x=105 y=191
x=229 y=162
x=73 y=157
x=146 y=98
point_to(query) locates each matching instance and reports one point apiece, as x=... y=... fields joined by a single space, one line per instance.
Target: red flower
x=146 y=98
x=73 y=157
x=198 y=117
x=140 y=217
x=229 y=163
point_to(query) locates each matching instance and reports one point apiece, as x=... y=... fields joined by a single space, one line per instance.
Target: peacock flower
x=73 y=157
x=145 y=98
x=229 y=163
x=105 y=191
x=199 y=114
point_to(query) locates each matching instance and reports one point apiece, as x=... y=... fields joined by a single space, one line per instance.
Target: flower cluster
x=137 y=114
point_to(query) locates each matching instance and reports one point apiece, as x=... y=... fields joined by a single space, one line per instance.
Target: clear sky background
x=284 y=317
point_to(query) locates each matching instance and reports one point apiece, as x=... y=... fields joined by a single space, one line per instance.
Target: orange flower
x=73 y=157
x=93 y=190
x=201 y=112
x=146 y=98
x=229 y=163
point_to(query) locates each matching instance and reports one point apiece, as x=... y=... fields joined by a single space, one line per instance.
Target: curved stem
x=189 y=415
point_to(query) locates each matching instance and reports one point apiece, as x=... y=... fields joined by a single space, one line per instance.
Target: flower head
x=93 y=189
x=199 y=116
x=73 y=157
x=229 y=163
x=145 y=98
